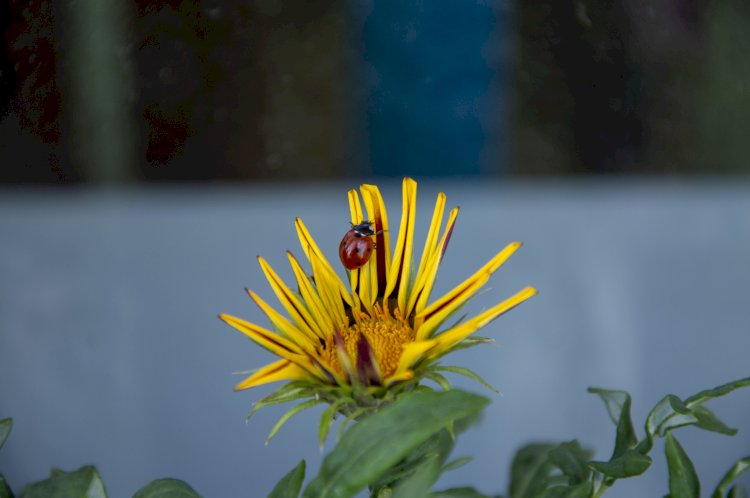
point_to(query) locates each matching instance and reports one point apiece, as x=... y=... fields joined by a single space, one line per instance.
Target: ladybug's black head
x=364 y=229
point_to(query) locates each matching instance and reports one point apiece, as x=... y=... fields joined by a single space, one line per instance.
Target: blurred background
x=105 y=91
x=611 y=138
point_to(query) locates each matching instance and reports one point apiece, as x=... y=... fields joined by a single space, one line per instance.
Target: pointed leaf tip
x=290 y=485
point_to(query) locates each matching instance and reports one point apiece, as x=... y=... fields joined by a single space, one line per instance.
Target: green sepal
x=291 y=391
x=82 y=483
x=456 y=463
x=439 y=379
x=344 y=423
x=466 y=373
x=618 y=406
x=386 y=437
x=740 y=467
x=683 y=481
x=327 y=418
x=6 y=425
x=290 y=484
x=630 y=463
x=571 y=459
x=467 y=343
x=166 y=488
x=530 y=470
x=289 y=414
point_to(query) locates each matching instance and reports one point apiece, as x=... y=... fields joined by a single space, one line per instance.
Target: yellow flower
x=378 y=333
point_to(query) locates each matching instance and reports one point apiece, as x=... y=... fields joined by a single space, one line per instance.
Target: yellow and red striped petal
x=276 y=344
x=433 y=315
x=312 y=250
x=376 y=209
x=279 y=370
x=283 y=325
x=425 y=278
x=291 y=303
x=450 y=338
x=310 y=296
x=399 y=274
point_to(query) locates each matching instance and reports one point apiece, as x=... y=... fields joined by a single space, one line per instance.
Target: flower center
x=385 y=334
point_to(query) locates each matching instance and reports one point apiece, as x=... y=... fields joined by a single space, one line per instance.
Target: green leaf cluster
x=86 y=482
x=398 y=452
x=546 y=470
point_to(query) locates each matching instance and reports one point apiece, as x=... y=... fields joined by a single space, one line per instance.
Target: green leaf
x=739 y=468
x=383 y=439
x=291 y=413
x=630 y=463
x=290 y=484
x=716 y=392
x=618 y=406
x=5 y=491
x=6 y=425
x=82 y=483
x=670 y=413
x=708 y=421
x=166 y=488
x=420 y=482
x=683 y=481
x=571 y=459
x=440 y=444
x=530 y=470
x=458 y=493
x=466 y=373
x=581 y=490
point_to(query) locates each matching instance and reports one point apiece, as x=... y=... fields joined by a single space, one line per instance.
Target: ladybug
x=357 y=245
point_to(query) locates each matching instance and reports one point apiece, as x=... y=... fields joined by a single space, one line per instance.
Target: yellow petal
x=413 y=352
x=310 y=247
x=398 y=377
x=360 y=277
x=431 y=258
x=329 y=290
x=276 y=344
x=311 y=296
x=291 y=303
x=280 y=370
x=432 y=234
x=430 y=273
x=284 y=325
x=427 y=322
x=376 y=209
x=398 y=276
x=451 y=337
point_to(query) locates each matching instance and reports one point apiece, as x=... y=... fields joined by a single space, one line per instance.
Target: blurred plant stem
x=96 y=68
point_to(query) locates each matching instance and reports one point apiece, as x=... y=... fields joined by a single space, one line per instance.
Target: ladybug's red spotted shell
x=357 y=245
